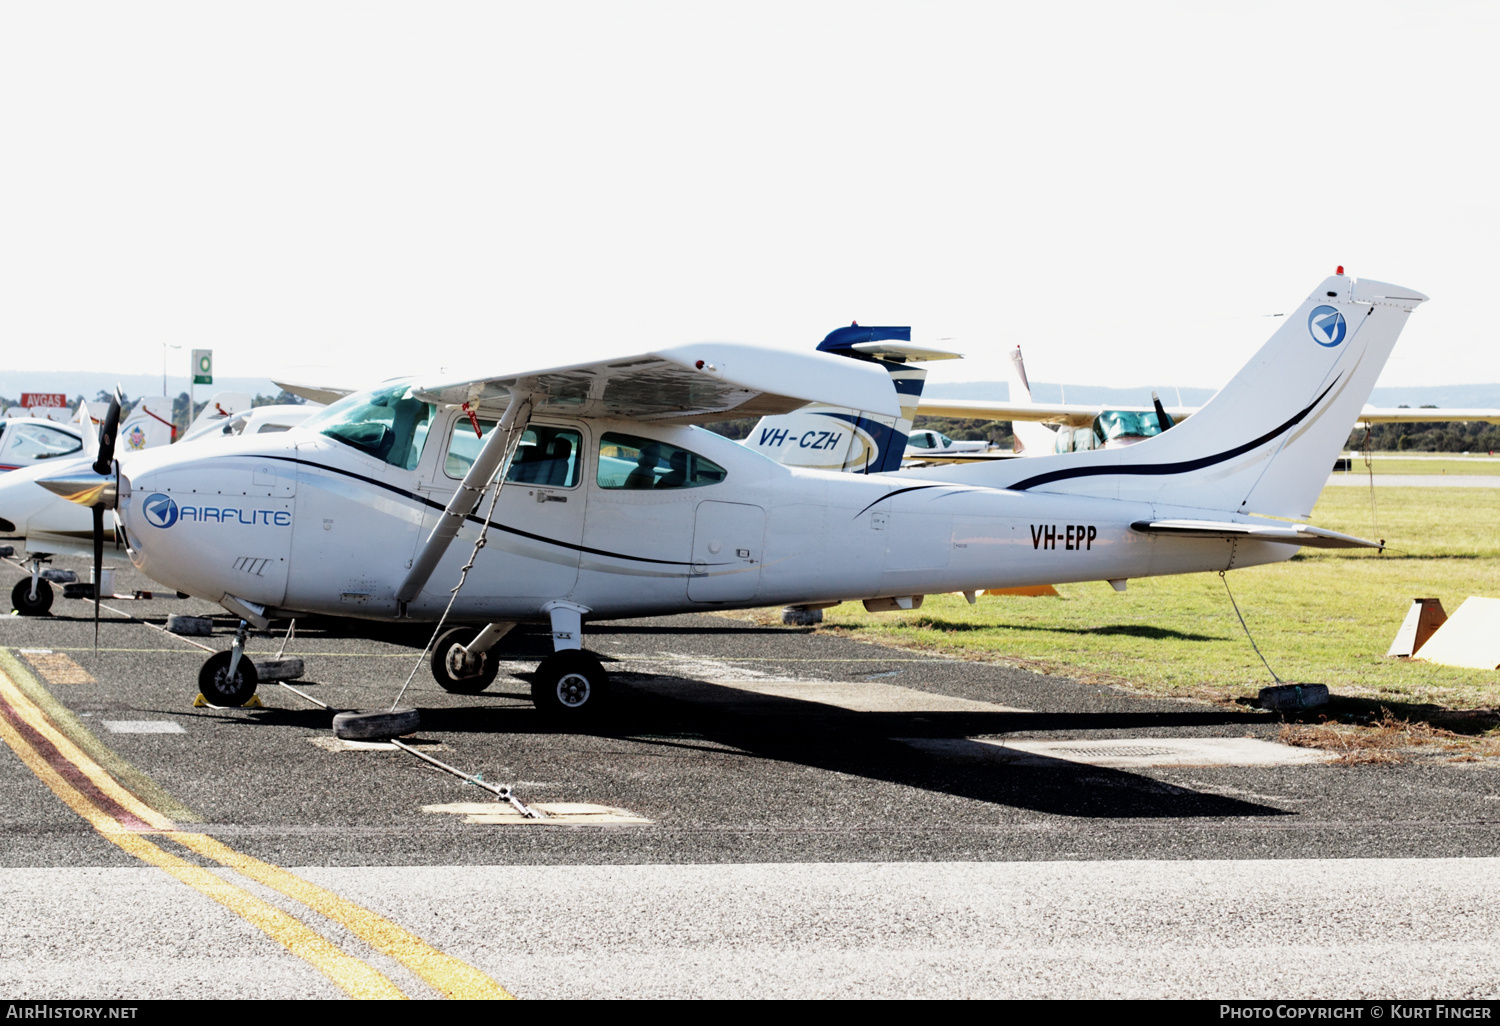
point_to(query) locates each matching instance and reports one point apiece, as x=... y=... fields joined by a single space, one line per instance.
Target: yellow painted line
x=96 y=774
x=450 y=976
x=64 y=720
x=353 y=976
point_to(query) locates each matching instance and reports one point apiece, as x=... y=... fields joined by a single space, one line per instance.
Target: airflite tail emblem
x=1327 y=326
x=160 y=510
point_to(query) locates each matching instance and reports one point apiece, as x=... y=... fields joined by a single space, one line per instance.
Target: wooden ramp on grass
x=1469 y=638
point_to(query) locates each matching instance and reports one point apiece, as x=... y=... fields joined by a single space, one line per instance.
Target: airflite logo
x=162 y=511
x=136 y=440
x=1327 y=326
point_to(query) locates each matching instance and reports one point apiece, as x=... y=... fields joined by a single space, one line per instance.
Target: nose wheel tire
x=219 y=688
x=457 y=672
x=22 y=602
x=570 y=685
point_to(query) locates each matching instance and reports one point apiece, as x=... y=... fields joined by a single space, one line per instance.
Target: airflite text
x=1071 y=536
x=807 y=440
x=230 y=515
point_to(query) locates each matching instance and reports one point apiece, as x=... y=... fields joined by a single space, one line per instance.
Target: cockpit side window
x=35 y=442
x=626 y=461
x=547 y=456
x=388 y=424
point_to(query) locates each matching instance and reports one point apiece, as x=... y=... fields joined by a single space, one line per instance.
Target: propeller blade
x=107 y=433
x=1163 y=418
x=98 y=512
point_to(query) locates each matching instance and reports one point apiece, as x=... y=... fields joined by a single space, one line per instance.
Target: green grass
x=1325 y=616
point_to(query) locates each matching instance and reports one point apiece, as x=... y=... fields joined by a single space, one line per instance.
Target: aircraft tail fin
x=1032 y=438
x=221 y=406
x=149 y=425
x=1267 y=441
x=90 y=428
x=836 y=438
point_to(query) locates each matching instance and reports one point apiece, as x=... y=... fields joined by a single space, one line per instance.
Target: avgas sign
x=163 y=511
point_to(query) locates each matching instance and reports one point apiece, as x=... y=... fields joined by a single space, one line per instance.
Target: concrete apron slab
x=1122 y=753
x=763 y=695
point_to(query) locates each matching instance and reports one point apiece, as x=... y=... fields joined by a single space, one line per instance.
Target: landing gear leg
x=570 y=685
x=229 y=678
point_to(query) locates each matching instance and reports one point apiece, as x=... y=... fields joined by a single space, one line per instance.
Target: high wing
x=1072 y=414
x=690 y=384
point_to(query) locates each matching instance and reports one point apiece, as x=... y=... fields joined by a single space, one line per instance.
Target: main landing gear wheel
x=221 y=689
x=458 y=672
x=22 y=602
x=570 y=685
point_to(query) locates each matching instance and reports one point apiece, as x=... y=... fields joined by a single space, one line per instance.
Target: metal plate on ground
x=1122 y=753
x=338 y=744
x=557 y=813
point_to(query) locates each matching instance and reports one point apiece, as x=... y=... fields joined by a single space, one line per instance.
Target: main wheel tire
x=448 y=661
x=219 y=688
x=570 y=685
x=22 y=602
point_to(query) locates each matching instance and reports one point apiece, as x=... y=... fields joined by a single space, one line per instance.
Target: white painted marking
x=143 y=727
x=1123 y=753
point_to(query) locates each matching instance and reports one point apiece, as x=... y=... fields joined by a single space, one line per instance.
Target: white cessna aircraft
x=614 y=506
x=42 y=526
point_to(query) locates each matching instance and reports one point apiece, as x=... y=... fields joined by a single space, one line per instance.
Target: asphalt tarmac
x=765 y=812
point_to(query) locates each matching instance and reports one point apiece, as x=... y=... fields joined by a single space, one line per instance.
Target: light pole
x=164 y=348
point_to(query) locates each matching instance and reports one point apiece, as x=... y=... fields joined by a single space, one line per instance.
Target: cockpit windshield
x=1121 y=427
x=387 y=423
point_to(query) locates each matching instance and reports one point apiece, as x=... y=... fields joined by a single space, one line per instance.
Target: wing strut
x=492 y=457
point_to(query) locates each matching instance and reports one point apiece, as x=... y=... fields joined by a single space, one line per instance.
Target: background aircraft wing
x=1072 y=414
x=687 y=384
x=1422 y=415
x=323 y=395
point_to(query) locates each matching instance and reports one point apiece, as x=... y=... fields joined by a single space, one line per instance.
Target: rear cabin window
x=626 y=461
x=546 y=456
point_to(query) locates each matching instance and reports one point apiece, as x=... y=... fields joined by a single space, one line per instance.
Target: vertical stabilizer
x=149 y=425
x=1032 y=439
x=836 y=438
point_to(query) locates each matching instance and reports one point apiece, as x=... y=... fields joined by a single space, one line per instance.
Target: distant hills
x=90 y=384
x=1469 y=396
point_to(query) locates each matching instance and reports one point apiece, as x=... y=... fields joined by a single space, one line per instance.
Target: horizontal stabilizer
x=1291 y=534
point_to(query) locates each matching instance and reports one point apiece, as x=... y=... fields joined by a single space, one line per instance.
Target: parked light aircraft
x=42 y=525
x=613 y=505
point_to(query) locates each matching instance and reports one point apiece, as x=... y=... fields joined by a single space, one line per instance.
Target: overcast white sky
x=1125 y=189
